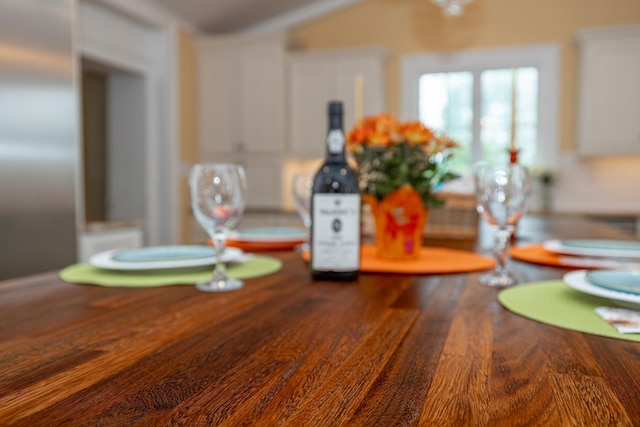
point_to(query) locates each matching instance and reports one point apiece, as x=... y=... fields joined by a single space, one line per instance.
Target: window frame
x=544 y=57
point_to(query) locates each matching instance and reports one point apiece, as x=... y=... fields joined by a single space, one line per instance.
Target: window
x=468 y=95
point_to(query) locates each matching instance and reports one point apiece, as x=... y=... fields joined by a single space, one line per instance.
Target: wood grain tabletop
x=387 y=350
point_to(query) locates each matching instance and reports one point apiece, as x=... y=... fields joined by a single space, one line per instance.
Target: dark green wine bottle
x=335 y=210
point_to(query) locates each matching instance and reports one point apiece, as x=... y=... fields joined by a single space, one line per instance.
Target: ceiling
x=224 y=16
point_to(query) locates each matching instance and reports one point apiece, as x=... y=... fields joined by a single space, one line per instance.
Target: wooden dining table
x=385 y=350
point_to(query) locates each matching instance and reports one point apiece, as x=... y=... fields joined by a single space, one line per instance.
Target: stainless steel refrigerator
x=38 y=136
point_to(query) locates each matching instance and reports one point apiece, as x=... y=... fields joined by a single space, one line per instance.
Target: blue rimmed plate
x=163 y=253
x=616 y=280
x=578 y=280
x=595 y=247
x=161 y=258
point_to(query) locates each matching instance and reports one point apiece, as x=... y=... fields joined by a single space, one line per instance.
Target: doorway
x=114 y=135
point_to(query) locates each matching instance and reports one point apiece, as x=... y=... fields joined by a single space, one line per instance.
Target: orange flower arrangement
x=390 y=154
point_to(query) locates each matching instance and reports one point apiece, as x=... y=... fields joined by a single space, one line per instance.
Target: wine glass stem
x=502 y=236
x=219 y=238
x=307 y=226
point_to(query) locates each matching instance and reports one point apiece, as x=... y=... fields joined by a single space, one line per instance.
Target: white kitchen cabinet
x=609 y=97
x=219 y=110
x=242 y=107
x=264 y=177
x=242 y=94
x=315 y=78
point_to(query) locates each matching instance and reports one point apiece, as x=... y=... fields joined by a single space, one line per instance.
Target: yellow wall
x=187 y=64
x=412 y=26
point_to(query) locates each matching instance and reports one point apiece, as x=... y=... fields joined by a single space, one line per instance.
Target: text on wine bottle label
x=336 y=232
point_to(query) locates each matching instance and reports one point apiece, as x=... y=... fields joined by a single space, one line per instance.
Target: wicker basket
x=456 y=219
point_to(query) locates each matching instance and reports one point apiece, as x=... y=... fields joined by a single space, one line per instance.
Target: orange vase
x=400 y=219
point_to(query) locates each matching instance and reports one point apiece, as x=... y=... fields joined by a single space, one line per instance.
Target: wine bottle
x=335 y=210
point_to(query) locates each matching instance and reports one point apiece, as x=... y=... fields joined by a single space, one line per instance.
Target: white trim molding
x=144 y=12
x=301 y=15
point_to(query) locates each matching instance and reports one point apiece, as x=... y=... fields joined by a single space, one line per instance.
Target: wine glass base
x=499 y=280
x=222 y=285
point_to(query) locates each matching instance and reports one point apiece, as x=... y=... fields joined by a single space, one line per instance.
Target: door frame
x=149 y=50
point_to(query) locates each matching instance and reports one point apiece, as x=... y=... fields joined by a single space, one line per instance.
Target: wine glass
x=302 y=188
x=502 y=193
x=218 y=200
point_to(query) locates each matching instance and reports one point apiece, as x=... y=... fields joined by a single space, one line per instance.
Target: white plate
x=105 y=260
x=595 y=248
x=578 y=281
x=269 y=234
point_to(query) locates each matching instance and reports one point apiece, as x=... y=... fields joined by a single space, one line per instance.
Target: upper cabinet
x=242 y=107
x=242 y=94
x=609 y=102
x=315 y=78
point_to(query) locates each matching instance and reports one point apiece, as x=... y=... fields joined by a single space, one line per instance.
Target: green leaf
x=383 y=170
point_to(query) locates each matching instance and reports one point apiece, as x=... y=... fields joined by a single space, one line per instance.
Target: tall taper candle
x=514 y=108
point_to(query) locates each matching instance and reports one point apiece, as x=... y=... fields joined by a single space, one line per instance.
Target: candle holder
x=513 y=156
x=513 y=159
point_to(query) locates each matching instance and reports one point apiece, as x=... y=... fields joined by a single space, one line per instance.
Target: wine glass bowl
x=502 y=194
x=218 y=194
x=302 y=187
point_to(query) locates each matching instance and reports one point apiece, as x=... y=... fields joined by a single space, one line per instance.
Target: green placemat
x=555 y=303
x=259 y=265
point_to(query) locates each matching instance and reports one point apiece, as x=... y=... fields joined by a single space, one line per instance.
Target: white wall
x=127 y=156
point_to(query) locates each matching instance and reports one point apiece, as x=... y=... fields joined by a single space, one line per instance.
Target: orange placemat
x=264 y=246
x=537 y=254
x=432 y=261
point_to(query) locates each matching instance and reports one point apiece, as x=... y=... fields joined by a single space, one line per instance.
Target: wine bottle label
x=335 y=141
x=336 y=232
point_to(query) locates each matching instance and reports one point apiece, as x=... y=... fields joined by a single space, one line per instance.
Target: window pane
x=446 y=104
x=495 y=121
